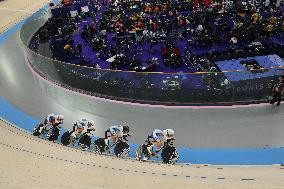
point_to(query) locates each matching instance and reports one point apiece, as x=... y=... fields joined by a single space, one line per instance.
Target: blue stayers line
x=251 y=156
x=13 y=115
x=9 y=32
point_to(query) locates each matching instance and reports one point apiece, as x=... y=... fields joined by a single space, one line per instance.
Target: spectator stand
x=170 y=47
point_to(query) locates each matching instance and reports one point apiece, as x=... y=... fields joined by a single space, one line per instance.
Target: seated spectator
x=157 y=9
x=269 y=29
x=104 y=33
x=233 y=42
x=267 y=3
x=199 y=28
x=278 y=3
x=256 y=17
x=148 y=8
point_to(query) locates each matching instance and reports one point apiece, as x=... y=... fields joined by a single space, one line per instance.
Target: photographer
x=278 y=90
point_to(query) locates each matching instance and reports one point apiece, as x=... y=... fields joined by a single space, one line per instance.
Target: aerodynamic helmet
x=125 y=129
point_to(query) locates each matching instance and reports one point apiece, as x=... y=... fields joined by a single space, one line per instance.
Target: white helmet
x=91 y=123
x=83 y=120
x=60 y=117
x=168 y=132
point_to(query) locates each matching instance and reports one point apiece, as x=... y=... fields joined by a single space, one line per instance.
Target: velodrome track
x=238 y=127
x=29 y=162
x=256 y=126
x=248 y=126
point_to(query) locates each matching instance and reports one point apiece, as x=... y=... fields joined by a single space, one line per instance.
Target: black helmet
x=125 y=129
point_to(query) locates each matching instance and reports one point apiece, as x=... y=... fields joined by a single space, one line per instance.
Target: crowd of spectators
x=234 y=24
x=222 y=29
x=120 y=30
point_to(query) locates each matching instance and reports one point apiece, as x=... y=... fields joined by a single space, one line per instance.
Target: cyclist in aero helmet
x=83 y=126
x=53 y=120
x=159 y=137
x=116 y=132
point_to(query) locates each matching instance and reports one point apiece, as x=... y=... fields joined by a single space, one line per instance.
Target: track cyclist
x=83 y=126
x=158 y=139
x=116 y=132
x=52 y=120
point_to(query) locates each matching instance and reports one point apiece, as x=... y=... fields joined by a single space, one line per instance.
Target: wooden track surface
x=29 y=162
x=13 y=11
